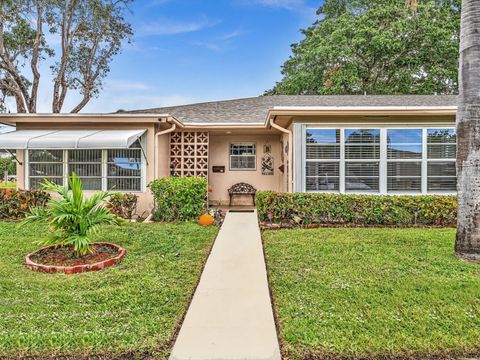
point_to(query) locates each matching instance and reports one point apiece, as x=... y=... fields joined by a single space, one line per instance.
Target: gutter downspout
x=157 y=135
x=290 y=152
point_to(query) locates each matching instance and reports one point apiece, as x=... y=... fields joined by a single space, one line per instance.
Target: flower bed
x=52 y=259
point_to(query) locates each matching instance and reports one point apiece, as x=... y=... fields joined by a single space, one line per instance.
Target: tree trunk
x=467 y=243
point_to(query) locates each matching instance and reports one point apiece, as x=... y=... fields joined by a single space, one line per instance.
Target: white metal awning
x=69 y=139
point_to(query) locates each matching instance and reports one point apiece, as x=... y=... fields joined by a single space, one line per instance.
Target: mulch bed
x=65 y=256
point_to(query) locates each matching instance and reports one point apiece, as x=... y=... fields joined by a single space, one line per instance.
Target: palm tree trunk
x=468 y=134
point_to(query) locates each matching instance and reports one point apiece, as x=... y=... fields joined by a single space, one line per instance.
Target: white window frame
x=143 y=184
x=345 y=160
x=244 y=143
x=427 y=160
x=340 y=160
x=420 y=160
x=383 y=156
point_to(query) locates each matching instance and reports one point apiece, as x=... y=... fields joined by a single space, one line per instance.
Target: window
x=384 y=160
x=442 y=151
x=362 y=155
x=404 y=160
x=45 y=164
x=124 y=168
x=322 y=159
x=118 y=169
x=243 y=157
x=87 y=164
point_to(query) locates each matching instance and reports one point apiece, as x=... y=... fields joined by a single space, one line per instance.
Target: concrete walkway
x=230 y=316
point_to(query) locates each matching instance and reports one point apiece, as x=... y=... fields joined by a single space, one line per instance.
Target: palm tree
x=467 y=243
x=73 y=219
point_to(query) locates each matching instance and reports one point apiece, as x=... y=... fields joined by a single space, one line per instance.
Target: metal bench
x=242 y=189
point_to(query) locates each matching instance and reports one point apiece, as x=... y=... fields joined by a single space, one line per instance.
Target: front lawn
x=372 y=293
x=132 y=308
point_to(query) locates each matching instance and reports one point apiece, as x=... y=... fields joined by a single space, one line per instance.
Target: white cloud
x=286 y=4
x=220 y=42
x=298 y=6
x=172 y=27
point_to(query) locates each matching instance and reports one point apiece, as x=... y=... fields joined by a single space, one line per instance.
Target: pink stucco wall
x=219 y=156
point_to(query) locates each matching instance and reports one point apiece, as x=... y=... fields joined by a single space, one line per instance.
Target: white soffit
x=70 y=139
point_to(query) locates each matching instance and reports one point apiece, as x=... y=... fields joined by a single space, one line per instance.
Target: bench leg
x=230 y=202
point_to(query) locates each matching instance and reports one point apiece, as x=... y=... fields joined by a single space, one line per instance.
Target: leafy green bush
x=339 y=209
x=123 y=205
x=178 y=198
x=15 y=204
x=74 y=219
x=9 y=165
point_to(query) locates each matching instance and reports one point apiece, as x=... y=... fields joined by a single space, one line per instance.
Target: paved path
x=230 y=316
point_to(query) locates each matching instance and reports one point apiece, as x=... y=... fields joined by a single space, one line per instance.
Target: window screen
x=243 y=157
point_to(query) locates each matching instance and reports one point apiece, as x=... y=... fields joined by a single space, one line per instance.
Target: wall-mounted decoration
x=267 y=148
x=267 y=164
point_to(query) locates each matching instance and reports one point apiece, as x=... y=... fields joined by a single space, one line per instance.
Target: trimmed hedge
x=16 y=204
x=179 y=198
x=339 y=209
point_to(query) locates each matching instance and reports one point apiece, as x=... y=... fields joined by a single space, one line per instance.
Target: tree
x=376 y=47
x=467 y=244
x=73 y=219
x=91 y=33
x=7 y=164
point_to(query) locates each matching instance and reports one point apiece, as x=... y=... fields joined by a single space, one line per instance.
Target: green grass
x=373 y=292
x=8 y=185
x=133 y=307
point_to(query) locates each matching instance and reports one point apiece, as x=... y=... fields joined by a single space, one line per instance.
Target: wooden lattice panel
x=189 y=153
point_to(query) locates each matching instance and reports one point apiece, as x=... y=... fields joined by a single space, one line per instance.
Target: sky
x=187 y=51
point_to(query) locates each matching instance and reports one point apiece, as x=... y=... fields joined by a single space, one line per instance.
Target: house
x=339 y=144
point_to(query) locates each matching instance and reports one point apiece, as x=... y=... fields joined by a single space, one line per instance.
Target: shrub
x=123 y=205
x=179 y=198
x=15 y=204
x=339 y=209
x=74 y=220
x=7 y=164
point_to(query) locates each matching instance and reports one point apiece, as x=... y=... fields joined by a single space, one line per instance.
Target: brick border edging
x=76 y=269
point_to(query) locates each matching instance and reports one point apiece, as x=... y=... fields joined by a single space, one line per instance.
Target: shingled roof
x=255 y=109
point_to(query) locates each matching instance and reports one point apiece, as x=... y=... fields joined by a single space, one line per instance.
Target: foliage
x=15 y=204
x=73 y=219
x=354 y=293
x=91 y=33
x=179 y=199
x=376 y=47
x=7 y=164
x=339 y=209
x=8 y=185
x=127 y=311
x=123 y=205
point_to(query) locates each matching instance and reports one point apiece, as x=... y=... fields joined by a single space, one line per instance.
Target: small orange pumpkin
x=205 y=220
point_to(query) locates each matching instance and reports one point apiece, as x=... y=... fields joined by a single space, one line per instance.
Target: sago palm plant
x=73 y=218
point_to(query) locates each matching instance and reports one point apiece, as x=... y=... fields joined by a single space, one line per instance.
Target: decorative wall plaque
x=267 y=164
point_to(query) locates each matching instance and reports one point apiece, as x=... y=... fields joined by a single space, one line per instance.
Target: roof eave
x=360 y=111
